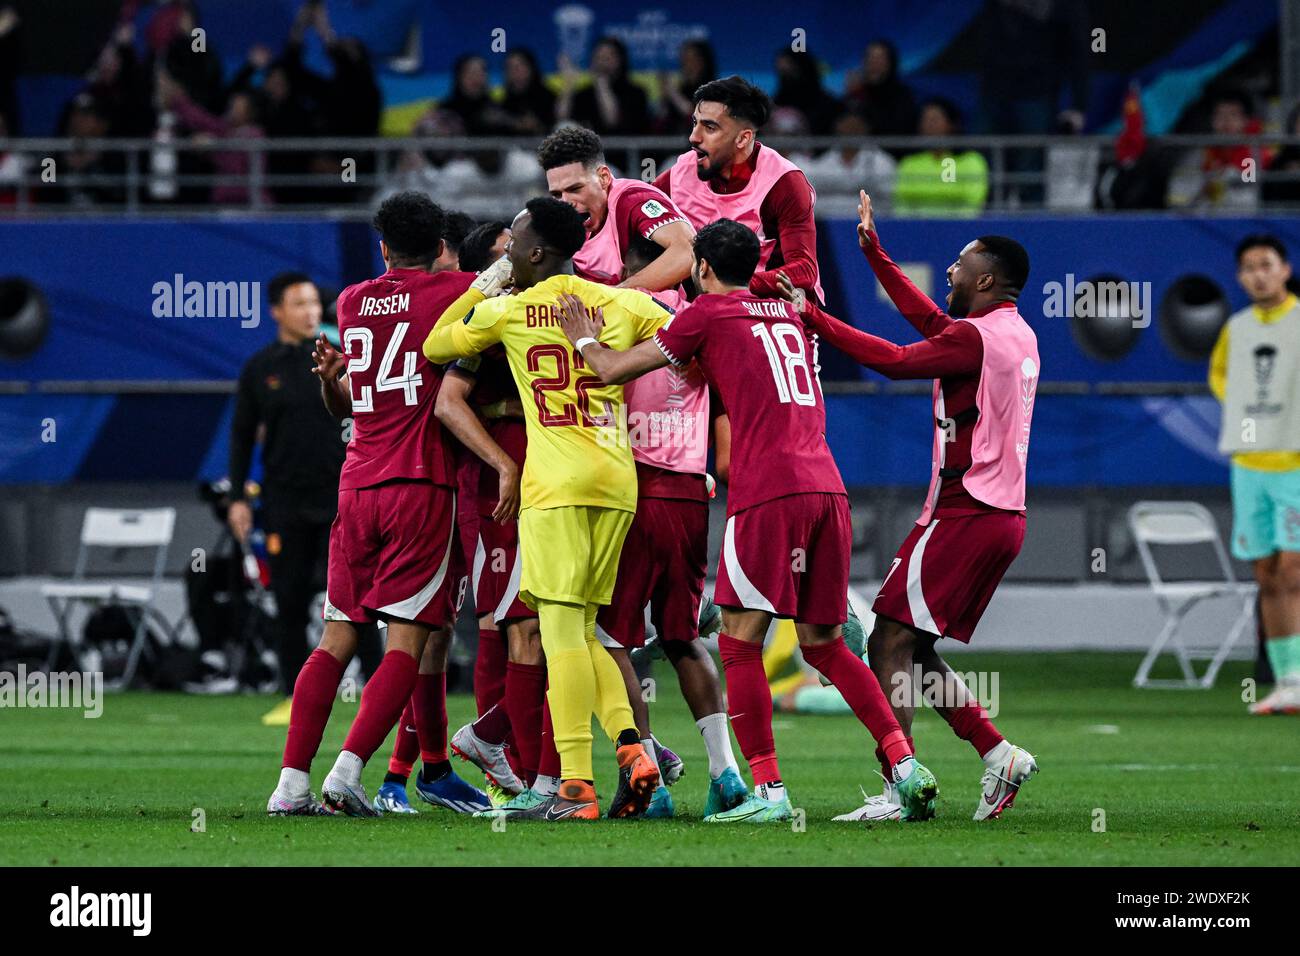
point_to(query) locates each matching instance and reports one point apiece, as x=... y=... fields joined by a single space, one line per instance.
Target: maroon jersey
x=383 y=323
x=762 y=361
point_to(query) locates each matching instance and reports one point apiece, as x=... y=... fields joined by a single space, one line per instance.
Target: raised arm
x=613 y=366
x=673 y=267
x=958 y=350
x=917 y=307
x=453 y=410
x=450 y=338
x=334 y=391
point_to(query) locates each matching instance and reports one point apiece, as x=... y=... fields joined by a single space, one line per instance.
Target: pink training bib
x=601 y=257
x=701 y=205
x=1005 y=399
x=668 y=411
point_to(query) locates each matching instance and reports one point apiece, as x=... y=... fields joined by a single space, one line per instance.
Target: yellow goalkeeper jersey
x=578 y=448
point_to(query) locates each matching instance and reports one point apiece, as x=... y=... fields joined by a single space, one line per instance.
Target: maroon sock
x=489 y=669
x=525 y=695
x=884 y=764
x=494 y=726
x=430 y=702
x=971 y=723
x=386 y=693
x=749 y=704
x=313 y=697
x=406 y=749
x=862 y=692
x=548 y=758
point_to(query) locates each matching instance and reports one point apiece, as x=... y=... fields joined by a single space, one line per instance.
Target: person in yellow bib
x=1255 y=373
x=579 y=488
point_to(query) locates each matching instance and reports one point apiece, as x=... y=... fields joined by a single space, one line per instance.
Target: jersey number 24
x=408 y=382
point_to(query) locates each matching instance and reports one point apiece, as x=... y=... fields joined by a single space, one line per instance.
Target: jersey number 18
x=784 y=345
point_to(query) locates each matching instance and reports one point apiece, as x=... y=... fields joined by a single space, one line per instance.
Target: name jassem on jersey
x=385 y=305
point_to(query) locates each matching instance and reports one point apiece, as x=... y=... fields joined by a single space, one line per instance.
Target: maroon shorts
x=497 y=565
x=467 y=512
x=946 y=572
x=664 y=561
x=391 y=554
x=789 y=557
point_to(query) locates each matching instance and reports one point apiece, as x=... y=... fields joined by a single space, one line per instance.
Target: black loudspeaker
x=1102 y=319
x=24 y=318
x=1191 y=315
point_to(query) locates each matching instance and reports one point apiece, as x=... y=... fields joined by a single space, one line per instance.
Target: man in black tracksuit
x=279 y=403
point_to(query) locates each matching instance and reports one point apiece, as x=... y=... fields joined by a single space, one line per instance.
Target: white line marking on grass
x=1197 y=767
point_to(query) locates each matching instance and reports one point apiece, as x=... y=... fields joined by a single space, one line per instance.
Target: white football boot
x=1285 y=699
x=882 y=806
x=342 y=791
x=292 y=797
x=303 y=805
x=1006 y=767
x=490 y=758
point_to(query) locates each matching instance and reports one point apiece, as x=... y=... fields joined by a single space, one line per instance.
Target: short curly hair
x=571 y=144
x=410 y=223
x=558 y=224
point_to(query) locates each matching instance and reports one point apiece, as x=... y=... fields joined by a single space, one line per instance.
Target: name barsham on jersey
x=385 y=305
x=541 y=316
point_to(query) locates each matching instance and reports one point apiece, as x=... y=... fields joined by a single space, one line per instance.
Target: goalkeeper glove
x=494 y=279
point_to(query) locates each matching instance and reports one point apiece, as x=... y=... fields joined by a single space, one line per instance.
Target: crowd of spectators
x=160 y=82
x=158 y=85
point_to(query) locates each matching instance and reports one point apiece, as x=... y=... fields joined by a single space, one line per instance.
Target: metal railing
x=492 y=176
x=829 y=386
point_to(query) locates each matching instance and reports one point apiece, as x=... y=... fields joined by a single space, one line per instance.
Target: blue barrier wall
x=99 y=279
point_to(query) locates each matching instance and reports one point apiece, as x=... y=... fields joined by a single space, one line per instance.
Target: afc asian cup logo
x=1265 y=359
x=573 y=25
x=1028 y=385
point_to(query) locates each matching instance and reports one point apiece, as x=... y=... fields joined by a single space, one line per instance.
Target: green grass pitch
x=1182 y=778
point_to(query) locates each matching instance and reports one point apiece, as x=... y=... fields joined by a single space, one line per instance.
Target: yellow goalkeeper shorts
x=570 y=554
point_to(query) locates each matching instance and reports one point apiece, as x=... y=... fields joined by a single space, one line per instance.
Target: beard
x=958 y=305
x=706 y=173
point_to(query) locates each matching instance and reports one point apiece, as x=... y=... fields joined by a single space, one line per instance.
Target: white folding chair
x=1186 y=523
x=119 y=529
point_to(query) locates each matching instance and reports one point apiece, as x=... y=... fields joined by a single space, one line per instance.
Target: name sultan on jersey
x=766 y=310
x=387 y=305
